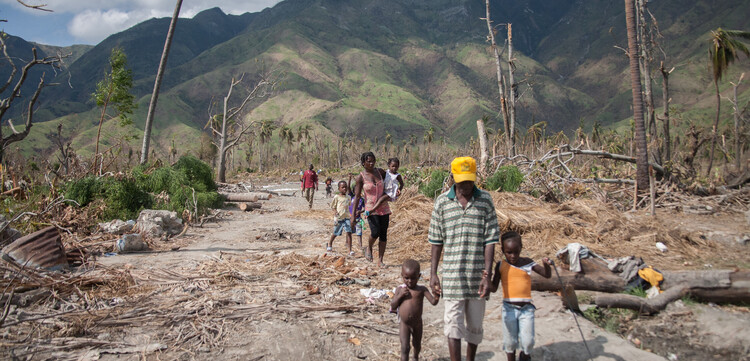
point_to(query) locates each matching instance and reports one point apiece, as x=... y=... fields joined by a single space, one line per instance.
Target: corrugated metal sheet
x=42 y=249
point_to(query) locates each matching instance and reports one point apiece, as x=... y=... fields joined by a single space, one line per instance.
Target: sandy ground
x=293 y=338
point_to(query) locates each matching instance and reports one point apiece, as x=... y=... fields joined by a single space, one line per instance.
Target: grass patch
x=609 y=319
x=636 y=291
x=508 y=178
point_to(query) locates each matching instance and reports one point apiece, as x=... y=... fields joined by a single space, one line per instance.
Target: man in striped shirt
x=464 y=225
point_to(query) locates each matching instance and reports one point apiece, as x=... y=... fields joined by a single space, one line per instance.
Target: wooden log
x=240 y=197
x=594 y=276
x=647 y=306
x=278 y=194
x=246 y=207
x=262 y=196
x=719 y=286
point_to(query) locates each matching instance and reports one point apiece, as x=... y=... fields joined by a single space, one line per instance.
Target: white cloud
x=94 y=26
x=188 y=7
x=94 y=20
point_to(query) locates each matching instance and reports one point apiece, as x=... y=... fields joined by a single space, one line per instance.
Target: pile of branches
x=185 y=309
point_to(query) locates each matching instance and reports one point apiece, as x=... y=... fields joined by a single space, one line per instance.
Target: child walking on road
x=340 y=206
x=408 y=302
x=392 y=184
x=329 y=187
x=518 y=311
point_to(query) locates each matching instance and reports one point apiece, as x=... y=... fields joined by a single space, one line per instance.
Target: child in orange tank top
x=518 y=311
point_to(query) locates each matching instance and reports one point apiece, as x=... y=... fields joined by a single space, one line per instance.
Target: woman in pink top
x=371 y=182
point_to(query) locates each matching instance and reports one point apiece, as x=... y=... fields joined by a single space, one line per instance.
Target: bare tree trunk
x=646 y=70
x=737 y=145
x=157 y=84
x=714 y=130
x=500 y=82
x=221 y=176
x=511 y=91
x=482 y=146
x=665 y=115
x=98 y=134
x=635 y=83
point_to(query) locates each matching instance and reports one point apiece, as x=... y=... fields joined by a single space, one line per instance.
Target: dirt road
x=287 y=228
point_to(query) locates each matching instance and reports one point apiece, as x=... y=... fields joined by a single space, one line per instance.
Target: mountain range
x=375 y=67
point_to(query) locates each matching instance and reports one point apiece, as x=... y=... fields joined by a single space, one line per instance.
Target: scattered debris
x=374 y=293
x=277 y=234
x=7 y=234
x=661 y=247
x=41 y=249
x=312 y=289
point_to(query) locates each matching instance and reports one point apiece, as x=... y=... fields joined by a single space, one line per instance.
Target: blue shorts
x=342 y=225
x=518 y=327
x=358 y=229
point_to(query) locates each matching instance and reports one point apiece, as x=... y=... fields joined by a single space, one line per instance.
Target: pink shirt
x=372 y=193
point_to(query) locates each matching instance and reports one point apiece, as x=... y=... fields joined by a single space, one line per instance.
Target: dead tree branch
x=41 y=7
x=7 y=102
x=226 y=127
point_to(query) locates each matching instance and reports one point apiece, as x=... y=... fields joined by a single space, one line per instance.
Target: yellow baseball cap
x=464 y=169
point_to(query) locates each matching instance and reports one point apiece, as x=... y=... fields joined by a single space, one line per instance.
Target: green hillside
x=371 y=67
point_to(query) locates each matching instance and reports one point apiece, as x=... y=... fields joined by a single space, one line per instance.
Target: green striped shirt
x=463 y=233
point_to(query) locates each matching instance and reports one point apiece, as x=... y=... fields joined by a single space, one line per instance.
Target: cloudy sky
x=91 y=21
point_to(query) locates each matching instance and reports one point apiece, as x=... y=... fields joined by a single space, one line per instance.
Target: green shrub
x=123 y=198
x=508 y=178
x=83 y=191
x=126 y=197
x=435 y=184
x=199 y=174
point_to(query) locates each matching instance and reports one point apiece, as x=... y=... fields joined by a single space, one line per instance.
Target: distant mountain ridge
x=371 y=67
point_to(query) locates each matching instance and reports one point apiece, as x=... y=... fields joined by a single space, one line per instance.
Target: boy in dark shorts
x=407 y=302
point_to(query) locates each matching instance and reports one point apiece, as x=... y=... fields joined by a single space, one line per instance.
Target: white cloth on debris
x=576 y=252
x=373 y=293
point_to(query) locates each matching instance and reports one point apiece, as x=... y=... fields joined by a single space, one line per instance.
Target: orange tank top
x=516 y=282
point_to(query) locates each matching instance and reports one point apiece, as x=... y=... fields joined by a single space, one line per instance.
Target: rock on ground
x=159 y=223
x=116 y=226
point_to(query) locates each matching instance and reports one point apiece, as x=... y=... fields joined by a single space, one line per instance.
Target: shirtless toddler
x=408 y=302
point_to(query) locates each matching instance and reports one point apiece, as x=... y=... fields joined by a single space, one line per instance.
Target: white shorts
x=463 y=319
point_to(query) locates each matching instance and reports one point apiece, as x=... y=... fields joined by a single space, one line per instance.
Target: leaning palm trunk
x=665 y=115
x=642 y=179
x=157 y=84
x=714 y=129
x=737 y=146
